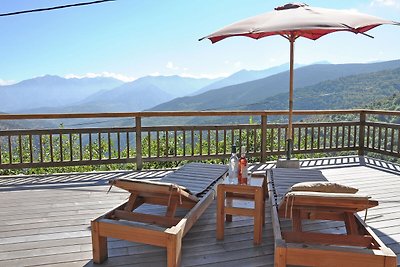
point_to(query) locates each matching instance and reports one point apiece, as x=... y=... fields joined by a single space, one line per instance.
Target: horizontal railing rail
x=150 y=114
x=32 y=148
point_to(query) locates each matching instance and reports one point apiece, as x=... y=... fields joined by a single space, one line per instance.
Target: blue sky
x=131 y=38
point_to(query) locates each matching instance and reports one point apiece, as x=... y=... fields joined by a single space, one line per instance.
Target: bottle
x=243 y=167
x=233 y=166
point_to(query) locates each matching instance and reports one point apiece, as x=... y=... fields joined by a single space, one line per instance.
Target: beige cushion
x=326 y=187
x=331 y=202
x=327 y=195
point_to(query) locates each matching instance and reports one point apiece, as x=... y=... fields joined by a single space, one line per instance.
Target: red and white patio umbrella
x=292 y=21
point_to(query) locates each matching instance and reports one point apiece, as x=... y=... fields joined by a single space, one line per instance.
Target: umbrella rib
x=292 y=37
x=357 y=31
x=284 y=36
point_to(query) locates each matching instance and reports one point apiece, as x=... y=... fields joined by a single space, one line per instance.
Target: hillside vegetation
x=355 y=91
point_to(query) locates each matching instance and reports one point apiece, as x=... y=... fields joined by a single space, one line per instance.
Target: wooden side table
x=253 y=193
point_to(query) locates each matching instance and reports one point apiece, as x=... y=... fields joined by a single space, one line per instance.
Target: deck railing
x=30 y=148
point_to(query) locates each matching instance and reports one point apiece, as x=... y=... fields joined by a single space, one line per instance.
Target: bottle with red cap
x=243 y=167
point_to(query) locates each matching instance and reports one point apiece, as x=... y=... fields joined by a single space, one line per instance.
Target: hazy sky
x=131 y=38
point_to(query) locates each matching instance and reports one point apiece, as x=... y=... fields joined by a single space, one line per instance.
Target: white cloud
x=105 y=74
x=170 y=65
x=155 y=74
x=6 y=82
x=204 y=75
x=237 y=64
x=195 y=76
x=388 y=3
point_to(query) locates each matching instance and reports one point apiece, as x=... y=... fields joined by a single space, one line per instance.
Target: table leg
x=229 y=203
x=220 y=212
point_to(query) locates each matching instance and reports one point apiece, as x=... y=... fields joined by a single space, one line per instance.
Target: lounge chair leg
x=263 y=208
x=280 y=256
x=296 y=220
x=350 y=222
x=99 y=244
x=258 y=218
x=174 y=249
x=390 y=261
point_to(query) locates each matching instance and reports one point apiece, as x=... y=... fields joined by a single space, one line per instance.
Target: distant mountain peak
x=321 y=62
x=48 y=77
x=42 y=79
x=243 y=76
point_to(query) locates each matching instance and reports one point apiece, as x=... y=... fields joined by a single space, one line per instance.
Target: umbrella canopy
x=298 y=20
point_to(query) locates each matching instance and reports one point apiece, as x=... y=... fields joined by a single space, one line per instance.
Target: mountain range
x=242 y=95
x=137 y=95
x=54 y=94
x=317 y=86
x=376 y=90
x=142 y=93
x=51 y=91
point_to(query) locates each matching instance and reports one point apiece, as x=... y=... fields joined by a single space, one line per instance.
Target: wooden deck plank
x=46 y=221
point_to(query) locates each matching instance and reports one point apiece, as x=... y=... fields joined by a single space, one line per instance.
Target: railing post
x=361 y=134
x=139 y=161
x=263 y=138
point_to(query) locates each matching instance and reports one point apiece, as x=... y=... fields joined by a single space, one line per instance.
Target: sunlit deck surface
x=44 y=220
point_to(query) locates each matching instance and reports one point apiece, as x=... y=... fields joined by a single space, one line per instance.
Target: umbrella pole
x=292 y=39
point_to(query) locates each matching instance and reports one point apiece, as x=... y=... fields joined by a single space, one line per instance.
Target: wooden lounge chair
x=190 y=188
x=356 y=246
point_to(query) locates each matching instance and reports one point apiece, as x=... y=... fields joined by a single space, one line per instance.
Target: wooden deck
x=44 y=220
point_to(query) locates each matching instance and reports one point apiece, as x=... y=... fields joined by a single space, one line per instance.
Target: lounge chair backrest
x=196 y=177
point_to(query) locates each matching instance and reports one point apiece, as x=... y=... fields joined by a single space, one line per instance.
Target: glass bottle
x=233 y=166
x=243 y=167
